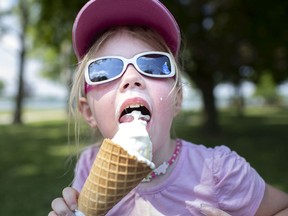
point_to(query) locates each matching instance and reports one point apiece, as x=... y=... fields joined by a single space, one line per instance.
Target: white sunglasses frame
x=127 y=62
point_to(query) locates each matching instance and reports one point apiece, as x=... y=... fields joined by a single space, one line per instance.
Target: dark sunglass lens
x=155 y=64
x=105 y=69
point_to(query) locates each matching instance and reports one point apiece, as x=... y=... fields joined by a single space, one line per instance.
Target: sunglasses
x=108 y=68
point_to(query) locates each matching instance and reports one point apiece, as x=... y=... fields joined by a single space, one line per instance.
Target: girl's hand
x=65 y=205
x=211 y=211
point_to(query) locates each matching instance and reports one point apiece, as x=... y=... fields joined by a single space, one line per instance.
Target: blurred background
x=235 y=55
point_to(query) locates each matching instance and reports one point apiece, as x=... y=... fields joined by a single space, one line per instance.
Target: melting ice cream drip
x=134 y=138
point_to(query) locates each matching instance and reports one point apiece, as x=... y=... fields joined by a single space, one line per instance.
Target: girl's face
x=104 y=103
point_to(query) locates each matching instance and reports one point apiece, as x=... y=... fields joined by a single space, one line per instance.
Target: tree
x=223 y=40
x=53 y=32
x=23 y=10
x=223 y=37
x=267 y=89
x=2 y=86
x=23 y=13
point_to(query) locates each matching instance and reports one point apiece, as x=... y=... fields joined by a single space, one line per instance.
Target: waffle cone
x=113 y=175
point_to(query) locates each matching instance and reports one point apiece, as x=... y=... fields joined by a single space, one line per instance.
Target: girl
x=128 y=54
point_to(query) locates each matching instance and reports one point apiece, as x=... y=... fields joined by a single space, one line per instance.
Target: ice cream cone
x=113 y=175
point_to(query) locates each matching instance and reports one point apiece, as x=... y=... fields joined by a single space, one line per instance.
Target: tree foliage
x=25 y=12
x=267 y=89
x=2 y=86
x=231 y=41
x=227 y=35
x=53 y=31
x=224 y=41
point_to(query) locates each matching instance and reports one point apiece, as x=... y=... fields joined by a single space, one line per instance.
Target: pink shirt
x=215 y=176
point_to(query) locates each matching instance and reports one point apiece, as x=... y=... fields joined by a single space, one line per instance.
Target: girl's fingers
x=52 y=213
x=60 y=208
x=70 y=196
x=211 y=211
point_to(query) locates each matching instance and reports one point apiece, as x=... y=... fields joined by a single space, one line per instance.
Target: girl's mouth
x=126 y=116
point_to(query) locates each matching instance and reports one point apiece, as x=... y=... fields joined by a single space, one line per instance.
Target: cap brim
x=98 y=16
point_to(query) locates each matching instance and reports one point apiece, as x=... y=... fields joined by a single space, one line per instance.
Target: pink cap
x=96 y=16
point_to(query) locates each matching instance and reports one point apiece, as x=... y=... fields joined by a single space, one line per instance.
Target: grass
x=34 y=167
x=36 y=162
x=33 y=115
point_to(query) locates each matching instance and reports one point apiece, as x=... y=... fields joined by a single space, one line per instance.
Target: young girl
x=128 y=53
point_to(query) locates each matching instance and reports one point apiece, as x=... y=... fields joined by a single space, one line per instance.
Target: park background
x=236 y=91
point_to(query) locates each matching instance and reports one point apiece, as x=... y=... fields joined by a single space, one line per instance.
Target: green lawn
x=37 y=163
x=34 y=167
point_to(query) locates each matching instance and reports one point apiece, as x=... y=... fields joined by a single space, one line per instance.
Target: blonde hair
x=142 y=33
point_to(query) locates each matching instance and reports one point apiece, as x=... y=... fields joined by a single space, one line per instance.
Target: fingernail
x=73 y=207
x=205 y=209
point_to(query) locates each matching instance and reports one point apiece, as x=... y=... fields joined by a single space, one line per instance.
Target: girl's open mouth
x=126 y=113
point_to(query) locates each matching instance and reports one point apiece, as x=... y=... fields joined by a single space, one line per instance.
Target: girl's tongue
x=135 y=114
x=126 y=118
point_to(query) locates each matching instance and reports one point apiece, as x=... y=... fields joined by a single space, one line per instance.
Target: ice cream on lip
x=137 y=103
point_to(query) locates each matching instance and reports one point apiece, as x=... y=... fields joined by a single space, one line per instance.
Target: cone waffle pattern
x=113 y=175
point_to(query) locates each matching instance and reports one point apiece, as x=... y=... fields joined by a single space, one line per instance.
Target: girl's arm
x=65 y=205
x=274 y=202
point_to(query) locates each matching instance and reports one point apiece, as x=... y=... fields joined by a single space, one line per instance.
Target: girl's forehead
x=123 y=43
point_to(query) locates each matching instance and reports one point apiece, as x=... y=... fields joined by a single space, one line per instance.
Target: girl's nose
x=131 y=79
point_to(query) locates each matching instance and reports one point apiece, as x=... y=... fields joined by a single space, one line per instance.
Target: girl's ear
x=86 y=112
x=178 y=101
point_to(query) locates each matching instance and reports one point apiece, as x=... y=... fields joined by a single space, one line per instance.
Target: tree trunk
x=210 y=113
x=239 y=100
x=20 y=91
x=23 y=16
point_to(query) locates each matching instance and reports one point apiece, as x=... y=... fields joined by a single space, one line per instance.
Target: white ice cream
x=134 y=138
x=78 y=213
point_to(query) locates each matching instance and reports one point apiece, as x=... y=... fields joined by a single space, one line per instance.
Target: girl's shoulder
x=219 y=159
x=83 y=166
x=87 y=157
x=89 y=152
x=233 y=183
x=204 y=151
